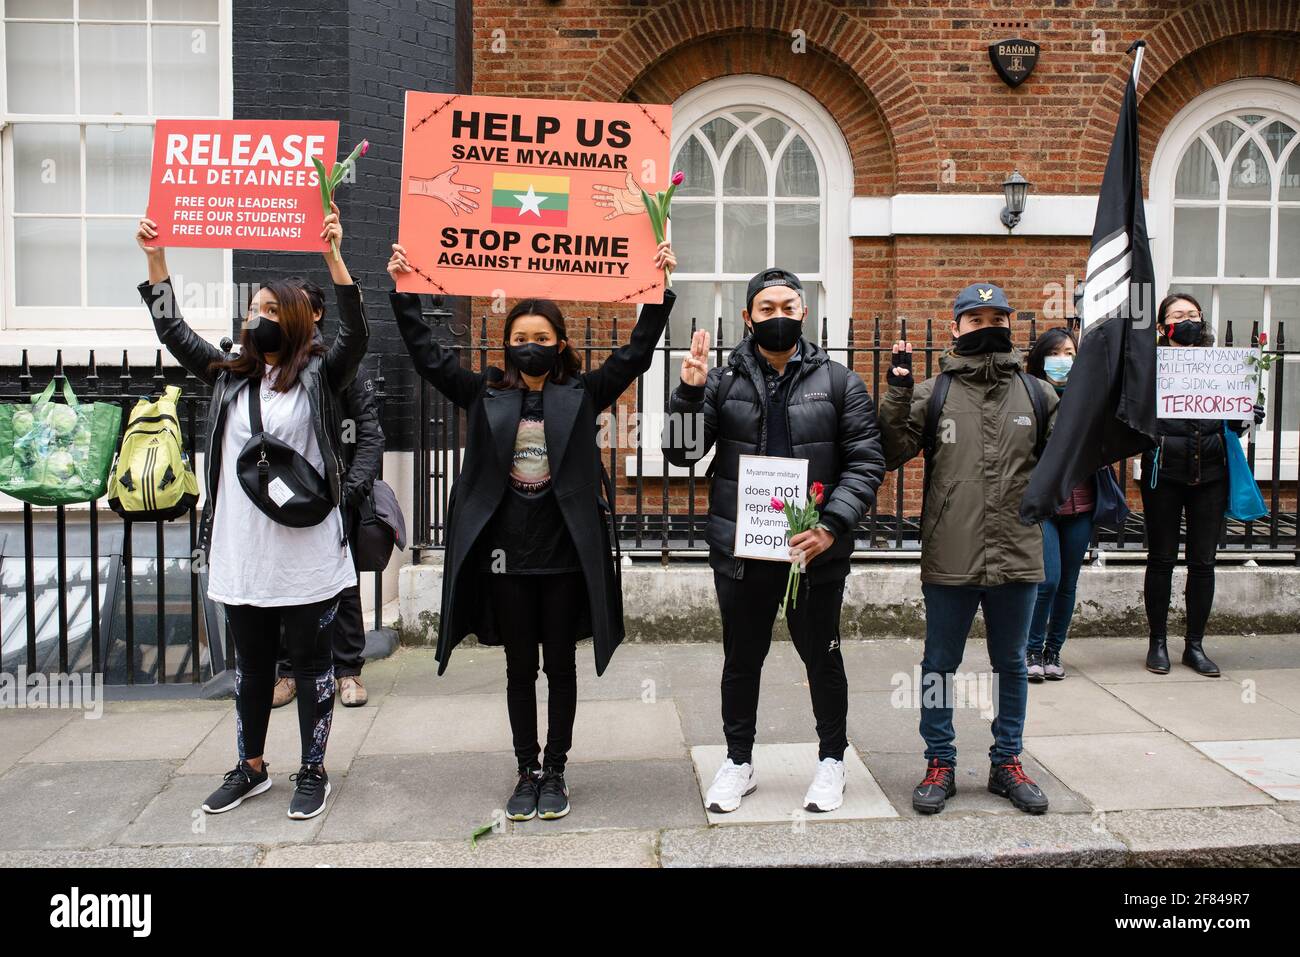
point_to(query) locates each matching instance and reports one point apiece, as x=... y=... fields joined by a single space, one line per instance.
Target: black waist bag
x=378 y=525
x=281 y=482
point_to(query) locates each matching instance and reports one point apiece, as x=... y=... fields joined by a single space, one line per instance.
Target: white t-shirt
x=258 y=561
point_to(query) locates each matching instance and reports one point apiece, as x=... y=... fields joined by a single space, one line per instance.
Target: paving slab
x=21 y=731
x=447 y=796
x=82 y=804
x=783 y=773
x=1119 y=661
x=784 y=716
x=1273 y=766
x=898 y=774
x=1281 y=685
x=216 y=753
x=1213 y=710
x=1079 y=705
x=627 y=729
x=1133 y=771
x=174 y=816
x=596 y=849
x=241 y=855
x=1209 y=837
x=977 y=841
x=169 y=734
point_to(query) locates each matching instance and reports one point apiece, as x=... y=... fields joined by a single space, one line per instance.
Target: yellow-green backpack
x=152 y=478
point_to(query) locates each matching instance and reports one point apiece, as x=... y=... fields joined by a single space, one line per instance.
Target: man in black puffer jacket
x=780 y=395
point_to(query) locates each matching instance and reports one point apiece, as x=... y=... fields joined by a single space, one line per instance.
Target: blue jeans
x=1065 y=542
x=949 y=612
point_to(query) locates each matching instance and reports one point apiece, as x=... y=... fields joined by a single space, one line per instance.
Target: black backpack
x=939 y=396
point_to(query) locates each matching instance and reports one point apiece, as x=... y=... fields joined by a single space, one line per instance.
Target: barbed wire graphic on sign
x=427 y=278
x=435 y=111
x=633 y=295
x=653 y=121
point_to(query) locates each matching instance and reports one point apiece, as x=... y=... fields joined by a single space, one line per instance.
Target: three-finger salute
x=900 y=373
x=695 y=365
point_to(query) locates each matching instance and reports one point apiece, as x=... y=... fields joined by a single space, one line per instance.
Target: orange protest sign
x=503 y=196
x=240 y=184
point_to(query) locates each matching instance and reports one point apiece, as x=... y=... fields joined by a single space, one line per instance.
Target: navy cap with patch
x=980 y=295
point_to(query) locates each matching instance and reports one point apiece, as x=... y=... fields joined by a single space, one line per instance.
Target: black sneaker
x=243 y=782
x=1034 y=666
x=940 y=783
x=1052 y=667
x=311 y=788
x=553 y=796
x=1009 y=780
x=522 y=805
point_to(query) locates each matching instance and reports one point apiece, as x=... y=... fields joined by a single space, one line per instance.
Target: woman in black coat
x=1184 y=478
x=529 y=558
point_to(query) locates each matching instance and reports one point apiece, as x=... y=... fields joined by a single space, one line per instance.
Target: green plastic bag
x=53 y=453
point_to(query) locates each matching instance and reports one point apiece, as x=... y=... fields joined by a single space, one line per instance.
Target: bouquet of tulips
x=657 y=207
x=799 y=518
x=330 y=181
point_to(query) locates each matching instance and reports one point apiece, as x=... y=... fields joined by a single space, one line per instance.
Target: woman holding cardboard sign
x=529 y=553
x=272 y=532
x=1185 y=474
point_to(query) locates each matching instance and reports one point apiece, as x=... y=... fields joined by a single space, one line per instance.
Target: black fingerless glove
x=906 y=381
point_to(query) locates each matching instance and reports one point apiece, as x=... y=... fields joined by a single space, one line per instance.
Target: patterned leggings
x=308 y=635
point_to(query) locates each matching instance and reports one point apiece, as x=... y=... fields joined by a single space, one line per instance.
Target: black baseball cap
x=771 y=277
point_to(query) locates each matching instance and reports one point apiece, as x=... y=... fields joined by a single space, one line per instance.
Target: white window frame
x=834 y=168
x=43 y=330
x=1254 y=95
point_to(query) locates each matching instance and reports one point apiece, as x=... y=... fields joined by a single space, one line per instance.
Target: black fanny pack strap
x=259 y=432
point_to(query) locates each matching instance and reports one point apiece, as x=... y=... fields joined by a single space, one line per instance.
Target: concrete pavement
x=1139 y=768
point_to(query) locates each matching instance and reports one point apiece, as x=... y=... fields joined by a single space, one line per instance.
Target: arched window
x=768 y=179
x=1226 y=183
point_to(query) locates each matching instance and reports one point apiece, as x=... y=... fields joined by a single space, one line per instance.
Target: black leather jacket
x=324 y=377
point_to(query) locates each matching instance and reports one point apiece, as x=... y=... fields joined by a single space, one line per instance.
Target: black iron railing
x=661 y=511
x=83 y=591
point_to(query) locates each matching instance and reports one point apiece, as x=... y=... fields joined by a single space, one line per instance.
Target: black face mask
x=266 y=335
x=777 y=334
x=533 y=358
x=982 y=340
x=1187 y=333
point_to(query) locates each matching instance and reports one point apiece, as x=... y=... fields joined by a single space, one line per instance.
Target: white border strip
x=972 y=214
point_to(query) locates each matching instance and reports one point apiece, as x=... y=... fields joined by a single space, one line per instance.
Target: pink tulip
x=678 y=178
x=365 y=145
x=777 y=504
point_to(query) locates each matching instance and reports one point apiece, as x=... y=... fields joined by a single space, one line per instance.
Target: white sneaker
x=827 y=790
x=730 y=784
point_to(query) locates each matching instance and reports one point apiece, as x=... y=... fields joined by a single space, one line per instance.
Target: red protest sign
x=240 y=184
x=523 y=197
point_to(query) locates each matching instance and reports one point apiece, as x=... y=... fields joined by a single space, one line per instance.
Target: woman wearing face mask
x=529 y=559
x=1065 y=535
x=269 y=576
x=1184 y=477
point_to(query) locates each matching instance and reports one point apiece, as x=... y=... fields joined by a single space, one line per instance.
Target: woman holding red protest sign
x=530 y=549
x=1184 y=476
x=272 y=532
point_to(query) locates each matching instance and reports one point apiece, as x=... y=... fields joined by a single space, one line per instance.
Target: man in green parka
x=981 y=427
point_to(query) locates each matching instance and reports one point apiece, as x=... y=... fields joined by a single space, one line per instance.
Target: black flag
x=1108 y=410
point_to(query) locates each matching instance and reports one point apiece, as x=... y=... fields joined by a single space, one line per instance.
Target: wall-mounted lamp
x=1016 y=190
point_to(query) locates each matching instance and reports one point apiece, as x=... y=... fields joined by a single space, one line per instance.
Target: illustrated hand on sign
x=620 y=200
x=441 y=187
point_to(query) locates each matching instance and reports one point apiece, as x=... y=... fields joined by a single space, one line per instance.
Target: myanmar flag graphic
x=522 y=199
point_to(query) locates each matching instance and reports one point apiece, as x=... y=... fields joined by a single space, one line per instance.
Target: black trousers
x=749 y=606
x=1165 y=507
x=308 y=632
x=349 y=638
x=536 y=612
